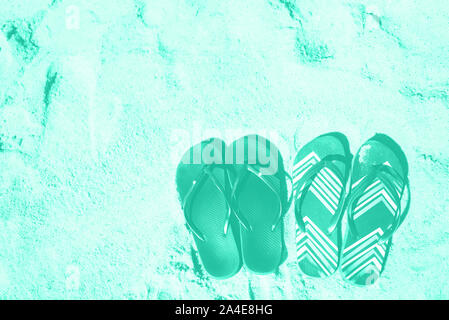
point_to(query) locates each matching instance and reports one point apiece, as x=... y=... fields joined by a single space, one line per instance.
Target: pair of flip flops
x=234 y=199
x=370 y=191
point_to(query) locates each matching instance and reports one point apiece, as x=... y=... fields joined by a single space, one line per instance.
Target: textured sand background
x=98 y=99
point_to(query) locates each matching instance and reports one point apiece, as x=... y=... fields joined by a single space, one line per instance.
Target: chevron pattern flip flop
x=377 y=204
x=320 y=172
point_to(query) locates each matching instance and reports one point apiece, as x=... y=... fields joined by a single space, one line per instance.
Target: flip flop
x=203 y=186
x=377 y=204
x=321 y=169
x=260 y=201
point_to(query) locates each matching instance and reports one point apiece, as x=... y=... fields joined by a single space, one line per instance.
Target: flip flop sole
x=263 y=249
x=218 y=252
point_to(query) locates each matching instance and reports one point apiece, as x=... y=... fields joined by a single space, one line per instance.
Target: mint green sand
x=99 y=100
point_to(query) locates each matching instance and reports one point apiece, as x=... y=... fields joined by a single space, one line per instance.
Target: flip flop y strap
x=206 y=172
x=305 y=182
x=255 y=170
x=395 y=185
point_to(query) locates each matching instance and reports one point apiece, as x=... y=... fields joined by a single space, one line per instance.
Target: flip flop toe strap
x=206 y=172
x=305 y=182
x=391 y=179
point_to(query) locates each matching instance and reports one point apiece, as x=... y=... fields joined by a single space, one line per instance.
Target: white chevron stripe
x=309 y=248
x=324 y=178
x=379 y=199
x=325 y=257
x=374 y=261
x=323 y=236
x=374 y=194
x=303 y=253
x=318 y=246
x=321 y=245
x=372 y=248
x=328 y=264
x=298 y=176
x=324 y=199
x=378 y=231
x=327 y=251
x=326 y=191
x=355 y=184
x=310 y=156
x=320 y=233
x=370 y=189
x=334 y=176
x=303 y=166
x=371 y=242
x=370 y=194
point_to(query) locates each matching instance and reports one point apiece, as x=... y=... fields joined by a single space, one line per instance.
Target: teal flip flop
x=260 y=201
x=320 y=172
x=377 y=204
x=203 y=185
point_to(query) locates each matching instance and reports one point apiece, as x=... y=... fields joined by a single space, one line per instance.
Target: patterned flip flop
x=377 y=204
x=321 y=169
